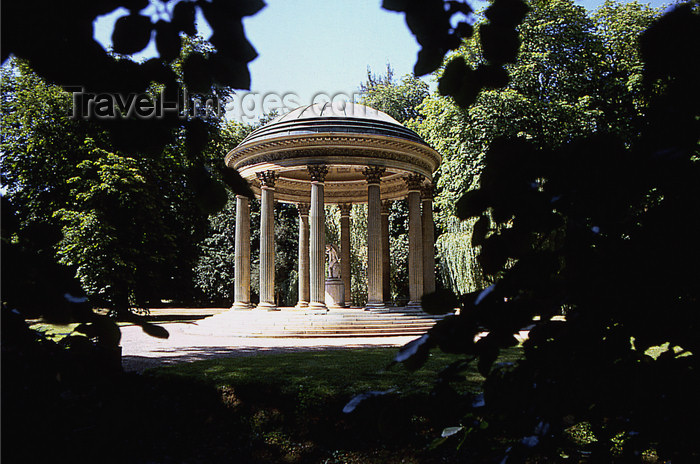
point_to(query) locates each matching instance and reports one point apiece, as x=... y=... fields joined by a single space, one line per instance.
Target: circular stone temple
x=335 y=154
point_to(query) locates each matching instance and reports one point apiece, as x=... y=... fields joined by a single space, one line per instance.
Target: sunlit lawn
x=324 y=373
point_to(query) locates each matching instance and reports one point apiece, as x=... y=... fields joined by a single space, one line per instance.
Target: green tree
x=550 y=97
x=214 y=268
x=614 y=248
x=399 y=100
x=127 y=225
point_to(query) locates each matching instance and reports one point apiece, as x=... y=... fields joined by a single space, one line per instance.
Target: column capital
x=267 y=178
x=303 y=209
x=414 y=182
x=427 y=191
x=386 y=207
x=373 y=174
x=317 y=172
x=345 y=209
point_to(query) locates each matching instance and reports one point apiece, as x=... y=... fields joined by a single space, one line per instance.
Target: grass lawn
x=323 y=373
x=288 y=407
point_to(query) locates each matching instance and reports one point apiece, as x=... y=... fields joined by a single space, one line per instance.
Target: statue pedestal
x=335 y=293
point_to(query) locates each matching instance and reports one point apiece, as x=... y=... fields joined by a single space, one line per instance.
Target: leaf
x=500 y=44
x=184 y=17
x=451 y=79
x=429 y=59
x=464 y=30
x=131 y=34
x=196 y=72
x=471 y=204
x=395 y=5
x=481 y=228
x=154 y=330
x=488 y=352
x=449 y=431
x=414 y=354
x=494 y=254
x=229 y=72
x=492 y=76
x=441 y=301
x=455 y=371
x=484 y=293
x=134 y=5
x=197 y=136
x=235 y=182
x=233 y=43
x=357 y=399
x=210 y=195
x=507 y=12
x=167 y=40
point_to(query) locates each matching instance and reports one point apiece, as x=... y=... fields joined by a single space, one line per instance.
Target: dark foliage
x=70 y=402
x=605 y=233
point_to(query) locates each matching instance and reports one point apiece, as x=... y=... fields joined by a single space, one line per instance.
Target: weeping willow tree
x=457 y=258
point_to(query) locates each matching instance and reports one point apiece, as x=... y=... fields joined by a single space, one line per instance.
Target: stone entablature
x=346 y=144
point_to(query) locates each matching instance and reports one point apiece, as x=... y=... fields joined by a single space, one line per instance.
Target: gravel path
x=141 y=351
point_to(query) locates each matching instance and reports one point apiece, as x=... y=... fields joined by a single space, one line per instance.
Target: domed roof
x=335 y=110
x=339 y=117
x=346 y=138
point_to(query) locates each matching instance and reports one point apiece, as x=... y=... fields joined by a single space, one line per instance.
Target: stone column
x=317 y=241
x=241 y=293
x=345 y=250
x=303 y=260
x=267 y=240
x=386 y=259
x=374 y=237
x=428 y=239
x=415 y=241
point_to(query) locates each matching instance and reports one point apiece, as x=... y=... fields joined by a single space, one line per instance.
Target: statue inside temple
x=333 y=262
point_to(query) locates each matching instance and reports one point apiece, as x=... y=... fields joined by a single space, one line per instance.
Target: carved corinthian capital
x=317 y=172
x=373 y=174
x=345 y=209
x=303 y=209
x=427 y=191
x=267 y=178
x=414 y=182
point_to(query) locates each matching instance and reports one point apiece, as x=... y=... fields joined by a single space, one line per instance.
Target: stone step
x=301 y=323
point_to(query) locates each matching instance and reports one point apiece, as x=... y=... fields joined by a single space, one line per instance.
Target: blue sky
x=311 y=47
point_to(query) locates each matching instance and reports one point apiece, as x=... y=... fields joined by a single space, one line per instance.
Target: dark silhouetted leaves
x=488 y=351
x=665 y=45
x=429 y=59
x=494 y=254
x=167 y=40
x=414 y=354
x=235 y=182
x=132 y=5
x=154 y=330
x=210 y=194
x=197 y=136
x=500 y=44
x=481 y=228
x=431 y=23
x=507 y=13
x=184 y=17
x=131 y=34
x=465 y=30
x=492 y=76
x=439 y=302
x=471 y=204
x=102 y=328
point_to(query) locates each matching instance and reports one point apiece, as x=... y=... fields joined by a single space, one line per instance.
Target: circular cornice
x=346 y=145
